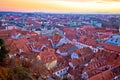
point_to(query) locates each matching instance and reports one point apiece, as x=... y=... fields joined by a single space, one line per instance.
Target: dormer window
x=57 y=72
x=116 y=40
x=112 y=39
x=64 y=70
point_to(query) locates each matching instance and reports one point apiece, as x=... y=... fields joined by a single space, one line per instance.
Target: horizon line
x=60 y=12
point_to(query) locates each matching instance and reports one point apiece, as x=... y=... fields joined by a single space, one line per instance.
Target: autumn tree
x=3 y=73
x=19 y=73
x=27 y=60
x=38 y=68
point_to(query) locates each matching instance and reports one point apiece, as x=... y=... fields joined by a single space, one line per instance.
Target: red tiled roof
x=111 y=47
x=61 y=63
x=56 y=38
x=106 y=75
x=48 y=55
x=76 y=62
x=65 y=47
x=15 y=45
x=83 y=51
x=31 y=33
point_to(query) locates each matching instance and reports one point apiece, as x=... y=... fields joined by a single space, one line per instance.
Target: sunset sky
x=74 y=6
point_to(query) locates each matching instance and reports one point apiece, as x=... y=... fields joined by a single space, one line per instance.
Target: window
x=116 y=40
x=57 y=72
x=112 y=39
x=64 y=70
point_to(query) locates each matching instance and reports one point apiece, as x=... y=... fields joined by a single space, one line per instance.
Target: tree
x=3 y=73
x=66 y=79
x=2 y=42
x=38 y=68
x=19 y=73
x=3 y=51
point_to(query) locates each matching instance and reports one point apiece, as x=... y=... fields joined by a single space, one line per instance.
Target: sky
x=61 y=6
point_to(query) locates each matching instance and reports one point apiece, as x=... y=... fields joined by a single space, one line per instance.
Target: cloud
x=93 y=0
x=112 y=0
x=80 y=0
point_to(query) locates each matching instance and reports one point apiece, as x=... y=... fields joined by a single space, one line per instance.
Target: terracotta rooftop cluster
x=95 y=60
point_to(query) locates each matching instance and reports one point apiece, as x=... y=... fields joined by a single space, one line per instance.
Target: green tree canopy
x=3 y=51
x=2 y=42
x=66 y=79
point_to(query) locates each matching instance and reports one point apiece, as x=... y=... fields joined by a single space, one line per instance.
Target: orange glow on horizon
x=87 y=6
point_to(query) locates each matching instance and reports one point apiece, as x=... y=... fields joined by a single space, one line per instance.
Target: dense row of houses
x=90 y=56
x=83 y=52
